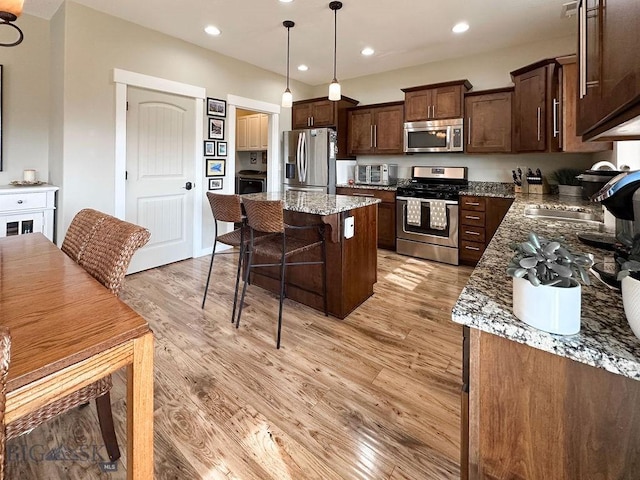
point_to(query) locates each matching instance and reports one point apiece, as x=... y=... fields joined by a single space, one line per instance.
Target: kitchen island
x=537 y=405
x=351 y=262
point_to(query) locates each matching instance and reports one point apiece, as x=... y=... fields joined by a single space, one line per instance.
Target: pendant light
x=10 y=10
x=334 y=87
x=287 y=98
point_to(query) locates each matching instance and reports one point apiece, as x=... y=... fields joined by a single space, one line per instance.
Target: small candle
x=30 y=176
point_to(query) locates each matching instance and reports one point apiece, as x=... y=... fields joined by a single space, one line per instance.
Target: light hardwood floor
x=374 y=396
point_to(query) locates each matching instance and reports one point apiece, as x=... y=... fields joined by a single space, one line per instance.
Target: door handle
x=188 y=186
x=538 y=119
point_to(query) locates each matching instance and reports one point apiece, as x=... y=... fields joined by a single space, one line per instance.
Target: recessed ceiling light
x=460 y=27
x=303 y=68
x=286 y=1
x=211 y=30
x=367 y=51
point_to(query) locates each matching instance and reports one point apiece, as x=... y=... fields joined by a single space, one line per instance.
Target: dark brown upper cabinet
x=436 y=101
x=376 y=129
x=488 y=121
x=322 y=112
x=608 y=87
x=536 y=108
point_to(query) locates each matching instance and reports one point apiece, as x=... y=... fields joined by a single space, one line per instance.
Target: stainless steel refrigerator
x=310 y=160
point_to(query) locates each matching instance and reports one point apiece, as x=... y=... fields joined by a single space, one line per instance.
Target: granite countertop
x=490 y=189
x=315 y=203
x=605 y=339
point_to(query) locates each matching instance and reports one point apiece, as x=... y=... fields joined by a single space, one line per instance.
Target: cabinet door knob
x=20 y=202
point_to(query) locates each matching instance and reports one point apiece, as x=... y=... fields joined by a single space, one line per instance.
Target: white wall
x=25 y=109
x=96 y=43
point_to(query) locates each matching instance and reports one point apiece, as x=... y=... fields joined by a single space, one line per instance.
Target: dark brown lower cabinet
x=480 y=217
x=538 y=416
x=386 y=212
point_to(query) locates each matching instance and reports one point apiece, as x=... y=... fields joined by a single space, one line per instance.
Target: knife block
x=540 y=188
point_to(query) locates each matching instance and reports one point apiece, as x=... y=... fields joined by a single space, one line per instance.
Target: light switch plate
x=349 y=227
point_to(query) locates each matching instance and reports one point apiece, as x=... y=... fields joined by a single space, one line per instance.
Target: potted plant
x=546 y=284
x=629 y=277
x=568 y=184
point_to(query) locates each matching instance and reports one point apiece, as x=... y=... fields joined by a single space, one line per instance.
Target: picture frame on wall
x=209 y=148
x=215 y=167
x=216 y=129
x=222 y=149
x=215 y=184
x=216 y=107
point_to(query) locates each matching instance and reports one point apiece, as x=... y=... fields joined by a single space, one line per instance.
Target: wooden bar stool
x=267 y=217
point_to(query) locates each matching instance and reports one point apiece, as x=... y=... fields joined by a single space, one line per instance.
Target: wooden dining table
x=67 y=331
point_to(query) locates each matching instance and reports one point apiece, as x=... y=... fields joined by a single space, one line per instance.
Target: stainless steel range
x=427 y=213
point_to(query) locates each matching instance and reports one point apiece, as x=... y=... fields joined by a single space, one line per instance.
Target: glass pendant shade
x=10 y=10
x=11 y=6
x=334 y=91
x=287 y=99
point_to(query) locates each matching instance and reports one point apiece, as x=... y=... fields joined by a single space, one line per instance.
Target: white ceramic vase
x=552 y=309
x=631 y=301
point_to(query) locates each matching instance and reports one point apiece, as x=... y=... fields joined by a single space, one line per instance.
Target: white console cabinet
x=27 y=210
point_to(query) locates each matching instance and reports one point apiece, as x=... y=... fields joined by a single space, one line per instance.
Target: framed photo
x=216 y=129
x=222 y=149
x=215 y=184
x=209 y=148
x=216 y=107
x=215 y=167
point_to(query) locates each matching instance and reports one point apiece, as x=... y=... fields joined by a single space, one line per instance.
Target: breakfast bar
x=351 y=260
x=537 y=405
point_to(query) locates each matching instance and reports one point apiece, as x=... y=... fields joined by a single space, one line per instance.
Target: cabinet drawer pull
x=471 y=217
x=473 y=204
x=20 y=202
x=472 y=248
x=471 y=233
x=363 y=195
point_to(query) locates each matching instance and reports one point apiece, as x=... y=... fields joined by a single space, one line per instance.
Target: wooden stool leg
x=105 y=417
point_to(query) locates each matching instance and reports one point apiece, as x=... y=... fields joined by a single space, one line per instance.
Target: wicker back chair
x=103 y=245
x=82 y=228
x=5 y=356
x=267 y=217
x=108 y=252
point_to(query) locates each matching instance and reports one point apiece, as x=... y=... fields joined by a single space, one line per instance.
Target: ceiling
x=403 y=32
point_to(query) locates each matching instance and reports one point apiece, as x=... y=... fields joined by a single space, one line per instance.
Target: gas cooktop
x=438 y=191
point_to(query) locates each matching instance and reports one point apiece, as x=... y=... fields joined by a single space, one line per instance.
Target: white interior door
x=160 y=167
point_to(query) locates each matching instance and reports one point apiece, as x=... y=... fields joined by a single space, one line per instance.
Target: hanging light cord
x=288 y=32
x=335 y=40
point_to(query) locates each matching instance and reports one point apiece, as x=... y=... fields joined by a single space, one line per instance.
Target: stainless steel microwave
x=382 y=174
x=434 y=136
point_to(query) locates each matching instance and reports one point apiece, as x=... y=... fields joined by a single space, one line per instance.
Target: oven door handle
x=429 y=200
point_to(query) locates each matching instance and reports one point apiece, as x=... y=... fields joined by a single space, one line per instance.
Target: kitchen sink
x=554 y=214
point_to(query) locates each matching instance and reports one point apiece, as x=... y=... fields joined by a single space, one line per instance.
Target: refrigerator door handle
x=299 y=156
x=303 y=158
